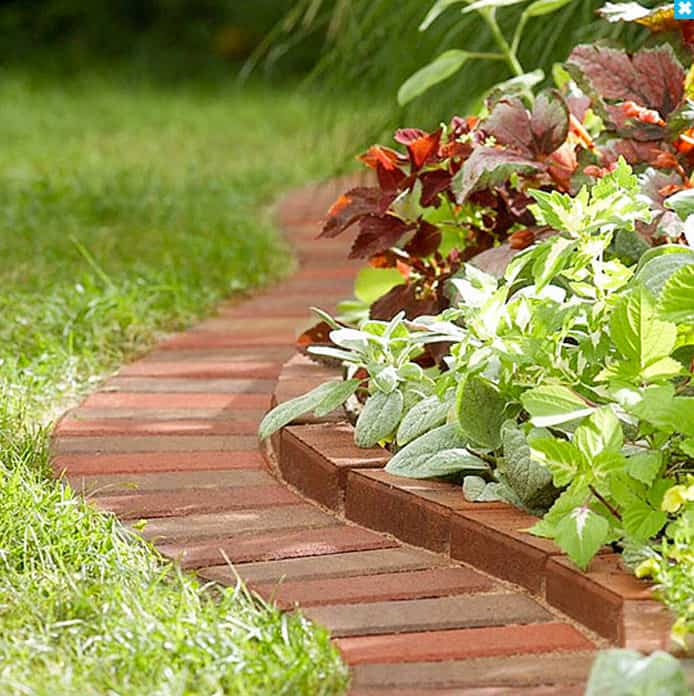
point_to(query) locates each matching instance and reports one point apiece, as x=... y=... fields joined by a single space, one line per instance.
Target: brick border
x=322 y=462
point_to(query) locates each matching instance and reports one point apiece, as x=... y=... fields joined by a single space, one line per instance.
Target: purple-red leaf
x=349 y=208
x=377 y=234
x=531 y=134
x=653 y=78
x=425 y=241
x=489 y=166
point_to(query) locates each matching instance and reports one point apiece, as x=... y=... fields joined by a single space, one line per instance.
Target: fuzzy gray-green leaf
x=379 y=418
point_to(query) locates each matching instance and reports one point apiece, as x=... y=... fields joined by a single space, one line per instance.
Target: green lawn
x=127 y=210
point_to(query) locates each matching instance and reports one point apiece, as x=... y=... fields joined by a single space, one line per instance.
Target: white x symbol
x=685 y=8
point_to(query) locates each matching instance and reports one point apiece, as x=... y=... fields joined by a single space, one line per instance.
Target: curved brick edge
x=171 y=441
x=323 y=463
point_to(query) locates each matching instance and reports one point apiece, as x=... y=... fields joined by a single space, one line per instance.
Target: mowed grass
x=128 y=209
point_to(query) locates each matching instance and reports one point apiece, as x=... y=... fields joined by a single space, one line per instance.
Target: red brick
x=308 y=461
x=130 y=483
x=517 y=674
x=379 y=506
x=71 y=426
x=223 y=339
x=87 y=464
x=433 y=614
x=234 y=523
x=203 y=369
x=173 y=385
x=434 y=582
x=492 y=541
x=161 y=443
x=375 y=562
x=460 y=644
x=195 y=501
x=275 y=354
x=275 y=546
x=610 y=601
x=179 y=400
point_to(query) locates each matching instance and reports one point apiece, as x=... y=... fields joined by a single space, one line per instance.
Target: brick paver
x=168 y=444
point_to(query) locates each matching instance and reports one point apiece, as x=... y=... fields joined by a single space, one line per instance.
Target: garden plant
x=563 y=387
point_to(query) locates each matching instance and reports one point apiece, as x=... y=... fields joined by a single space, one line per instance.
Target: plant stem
x=606 y=503
x=489 y=16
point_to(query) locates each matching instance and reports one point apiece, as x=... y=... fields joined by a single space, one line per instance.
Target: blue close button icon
x=684 y=9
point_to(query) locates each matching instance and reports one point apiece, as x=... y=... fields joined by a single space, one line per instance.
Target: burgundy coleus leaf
x=318 y=334
x=391 y=182
x=639 y=152
x=377 y=234
x=490 y=166
x=426 y=240
x=533 y=134
x=522 y=238
x=652 y=78
x=434 y=182
x=349 y=208
x=405 y=136
x=410 y=298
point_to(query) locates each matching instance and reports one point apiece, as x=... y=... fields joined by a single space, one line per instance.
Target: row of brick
x=169 y=446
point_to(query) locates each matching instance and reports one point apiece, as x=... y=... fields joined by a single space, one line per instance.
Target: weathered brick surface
x=195 y=501
x=187 y=400
x=428 y=614
x=72 y=426
x=433 y=582
x=330 y=566
x=518 y=672
x=92 y=463
x=276 y=545
x=461 y=644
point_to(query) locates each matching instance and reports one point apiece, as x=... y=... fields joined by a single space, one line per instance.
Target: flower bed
x=321 y=460
x=561 y=384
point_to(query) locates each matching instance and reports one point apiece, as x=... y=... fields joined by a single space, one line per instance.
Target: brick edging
x=322 y=462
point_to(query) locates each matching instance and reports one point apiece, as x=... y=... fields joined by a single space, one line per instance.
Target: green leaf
x=489 y=4
x=427 y=414
x=480 y=410
x=600 y=432
x=379 y=418
x=622 y=672
x=562 y=458
x=682 y=203
x=574 y=496
x=687 y=446
x=581 y=533
x=544 y=7
x=385 y=379
x=514 y=87
x=637 y=332
x=414 y=460
x=437 y=9
x=553 y=405
x=529 y=479
x=676 y=301
x=288 y=411
x=553 y=258
x=658 y=268
x=642 y=522
x=645 y=466
x=440 y=69
x=372 y=283
x=337 y=397
x=666 y=411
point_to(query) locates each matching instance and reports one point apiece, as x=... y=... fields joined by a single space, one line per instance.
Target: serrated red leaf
x=405 y=298
x=638 y=152
x=377 y=234
x=388 y=158
x=390 y=180
x=349 y=208
x=434 y=183
x=535 y=134
x=424 y=149
x=405 y=136
x=652 y=78
x=425 y=241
